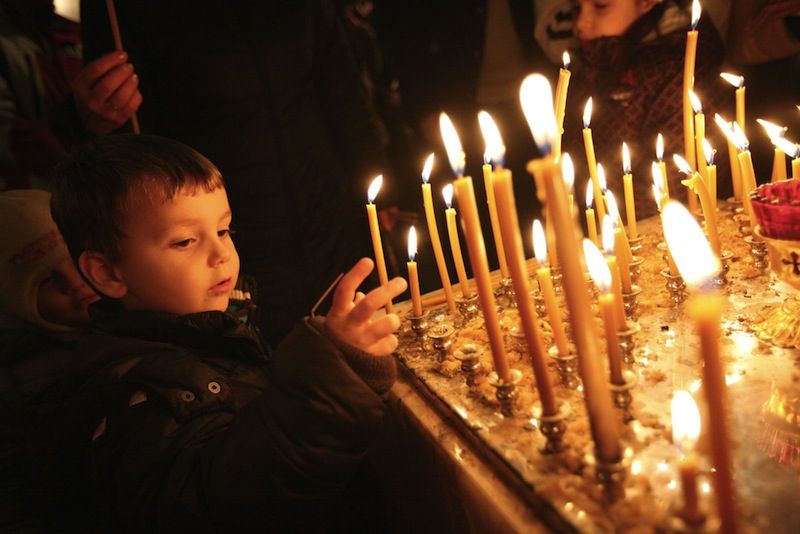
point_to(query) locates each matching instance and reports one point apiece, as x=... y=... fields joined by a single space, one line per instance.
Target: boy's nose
x=221 y=253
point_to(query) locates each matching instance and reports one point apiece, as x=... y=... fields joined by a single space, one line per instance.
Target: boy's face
x=63 y=297
x=608 y=18
x=177 y=255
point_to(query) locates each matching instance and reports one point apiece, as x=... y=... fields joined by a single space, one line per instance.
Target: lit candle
x=685 y=431
x=627 y=181
x=711 y=181
x=696 y=184
x=433 y=230
x=623 y=246
x=736 y=169
x=698 y=265
x=546 y=286
x=688 y=84
x=661 y=165
x=591 y=225
x=793 y=151
x=613 y=266
x=561 y=101
x=738 y=83
x=413 y=277
x=536 y=99
x=591 y=160
x=495 y=152
x=661 y=201
x=746 y=165
x=507 y=210
x=699 y=133
x=601 y=275
x=775 y=132
x=375 y=232
x=455 y=245
x=475 y=246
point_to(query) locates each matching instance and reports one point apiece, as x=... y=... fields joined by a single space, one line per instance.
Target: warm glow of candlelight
x=374 y=187
x=447 y=193
x=696 y=11
x=565 y=60
x=685 y=420
x=660 y=147
x=601 y=178
x=534 y=93
x=598 y=268
x=587 y=113
x=427 y=168
x=626 y=159
x=697 y=106
x=690 y=249
x=539 y=242
x=787 y=147
x=607 y=231
x=567 y=171
x=739 y=138
x=412 y=243
x=772 y=129
x=708 y=151
x=733 y=79
x=452 y=144
x=495 y=149
x=589 y=195
x=725 y=126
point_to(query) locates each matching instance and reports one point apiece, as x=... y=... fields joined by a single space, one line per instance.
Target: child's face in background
x=63 y=297
x=177 y=255
x=608 y=18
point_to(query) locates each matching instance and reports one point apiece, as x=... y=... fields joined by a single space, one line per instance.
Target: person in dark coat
x=269 y=91
x=173 y=417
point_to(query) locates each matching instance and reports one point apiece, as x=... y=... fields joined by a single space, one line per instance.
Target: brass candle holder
x=552 y=427
x=505 y=293
x=743 y=225
x=468 y=307
x=506 y=392
x=758 y=250
x=627 y=343
x=538 y=302
x=566 y=367
x=557 y=278
x=419 y=326
x=440 y=336
x=611 y=474
x=470 y=357
x=630 y=302
x=675 y=285
x=636 y=244
x=622 y=396
x=721 y=279
x=635 y=268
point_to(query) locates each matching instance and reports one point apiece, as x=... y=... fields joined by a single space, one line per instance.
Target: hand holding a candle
x=350 y=318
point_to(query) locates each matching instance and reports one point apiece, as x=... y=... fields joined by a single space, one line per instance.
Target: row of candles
x=689 y=253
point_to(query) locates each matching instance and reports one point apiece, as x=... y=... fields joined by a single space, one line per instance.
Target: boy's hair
x=92 y=186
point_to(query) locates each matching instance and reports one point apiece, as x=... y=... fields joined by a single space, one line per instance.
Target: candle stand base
x=675 y=285
x=567 y=367
x=468 y=308
x=627 y=343
x=505 y=294
x=557 y=278
x=758 y=250
x=611 y=474
x=419 y=325
x=636 y=244
x=621 y=394
x=552 y=427
x=517 y=339
x=635 y=267
x=538 y=302
x=732 y=204
x=631 y=303
x=440 y=336
x=506 y=392
x=662 y=248
x=743 y=224
x=469 y=356
x=721 y=279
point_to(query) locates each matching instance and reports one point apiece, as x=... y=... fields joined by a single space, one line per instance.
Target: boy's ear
x=102 y=275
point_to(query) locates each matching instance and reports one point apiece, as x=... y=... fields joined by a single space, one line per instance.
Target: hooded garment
x=30 y=247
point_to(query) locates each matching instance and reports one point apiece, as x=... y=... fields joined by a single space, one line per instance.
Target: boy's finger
x=376 y=299
x=359 y=296
x=381 y=327
x=344 y=294
x=384 y=347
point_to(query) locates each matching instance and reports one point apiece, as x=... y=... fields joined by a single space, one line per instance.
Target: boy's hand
x=350 y=317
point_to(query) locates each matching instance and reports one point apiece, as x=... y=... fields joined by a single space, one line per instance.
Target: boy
x=184 y=422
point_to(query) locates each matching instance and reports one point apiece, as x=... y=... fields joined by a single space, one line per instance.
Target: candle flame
x=589 y=194
x=696 y=11
x=427 y=168
x=685 y=420
x=598 y=268
x=565 y=60
x=447 y=193
x=539 y=242
x=708 y=152
x=682 y=164
x=374 y=187
x=536 y=97
x=697 y=106
x=688 y=245
x=733 y=79
x=787 y=147
x=567 y=171
x=660 y=147
x=626 y=159
x=739 y=138
x=658 y=183
x=601 y=178
x=495 y=149
x=607 y=234
x=772 y=129
x=612 y=207
x=452 y=144
x=725 y=126
x=587 y=113
x=412 y=243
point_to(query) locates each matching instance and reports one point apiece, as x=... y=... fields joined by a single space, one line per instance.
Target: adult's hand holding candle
x=455 y=245
x=375 y=232
x=546 y=287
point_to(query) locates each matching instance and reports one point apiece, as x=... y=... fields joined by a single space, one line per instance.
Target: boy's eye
x=225 y=232
x=182 y=244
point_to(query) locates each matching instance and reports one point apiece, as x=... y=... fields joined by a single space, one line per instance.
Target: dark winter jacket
x=182 y=424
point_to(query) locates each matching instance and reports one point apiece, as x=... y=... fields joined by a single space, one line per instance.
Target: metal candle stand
x=621 y=394
x=675 y=285
x=631 y=303
x=538 y=302
x=552 y=427
x=505 y=294
x=635 y=268
x=627 y=343
x=758 y=250
x=721 y=279
x=743 y=224
x=556 y=277
x=611 y=474
x=506 y=392
x=470 y=357
x=468 y=308
x=636 y=244
x=567 y=367
x=440 y=336
x=419 y=325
